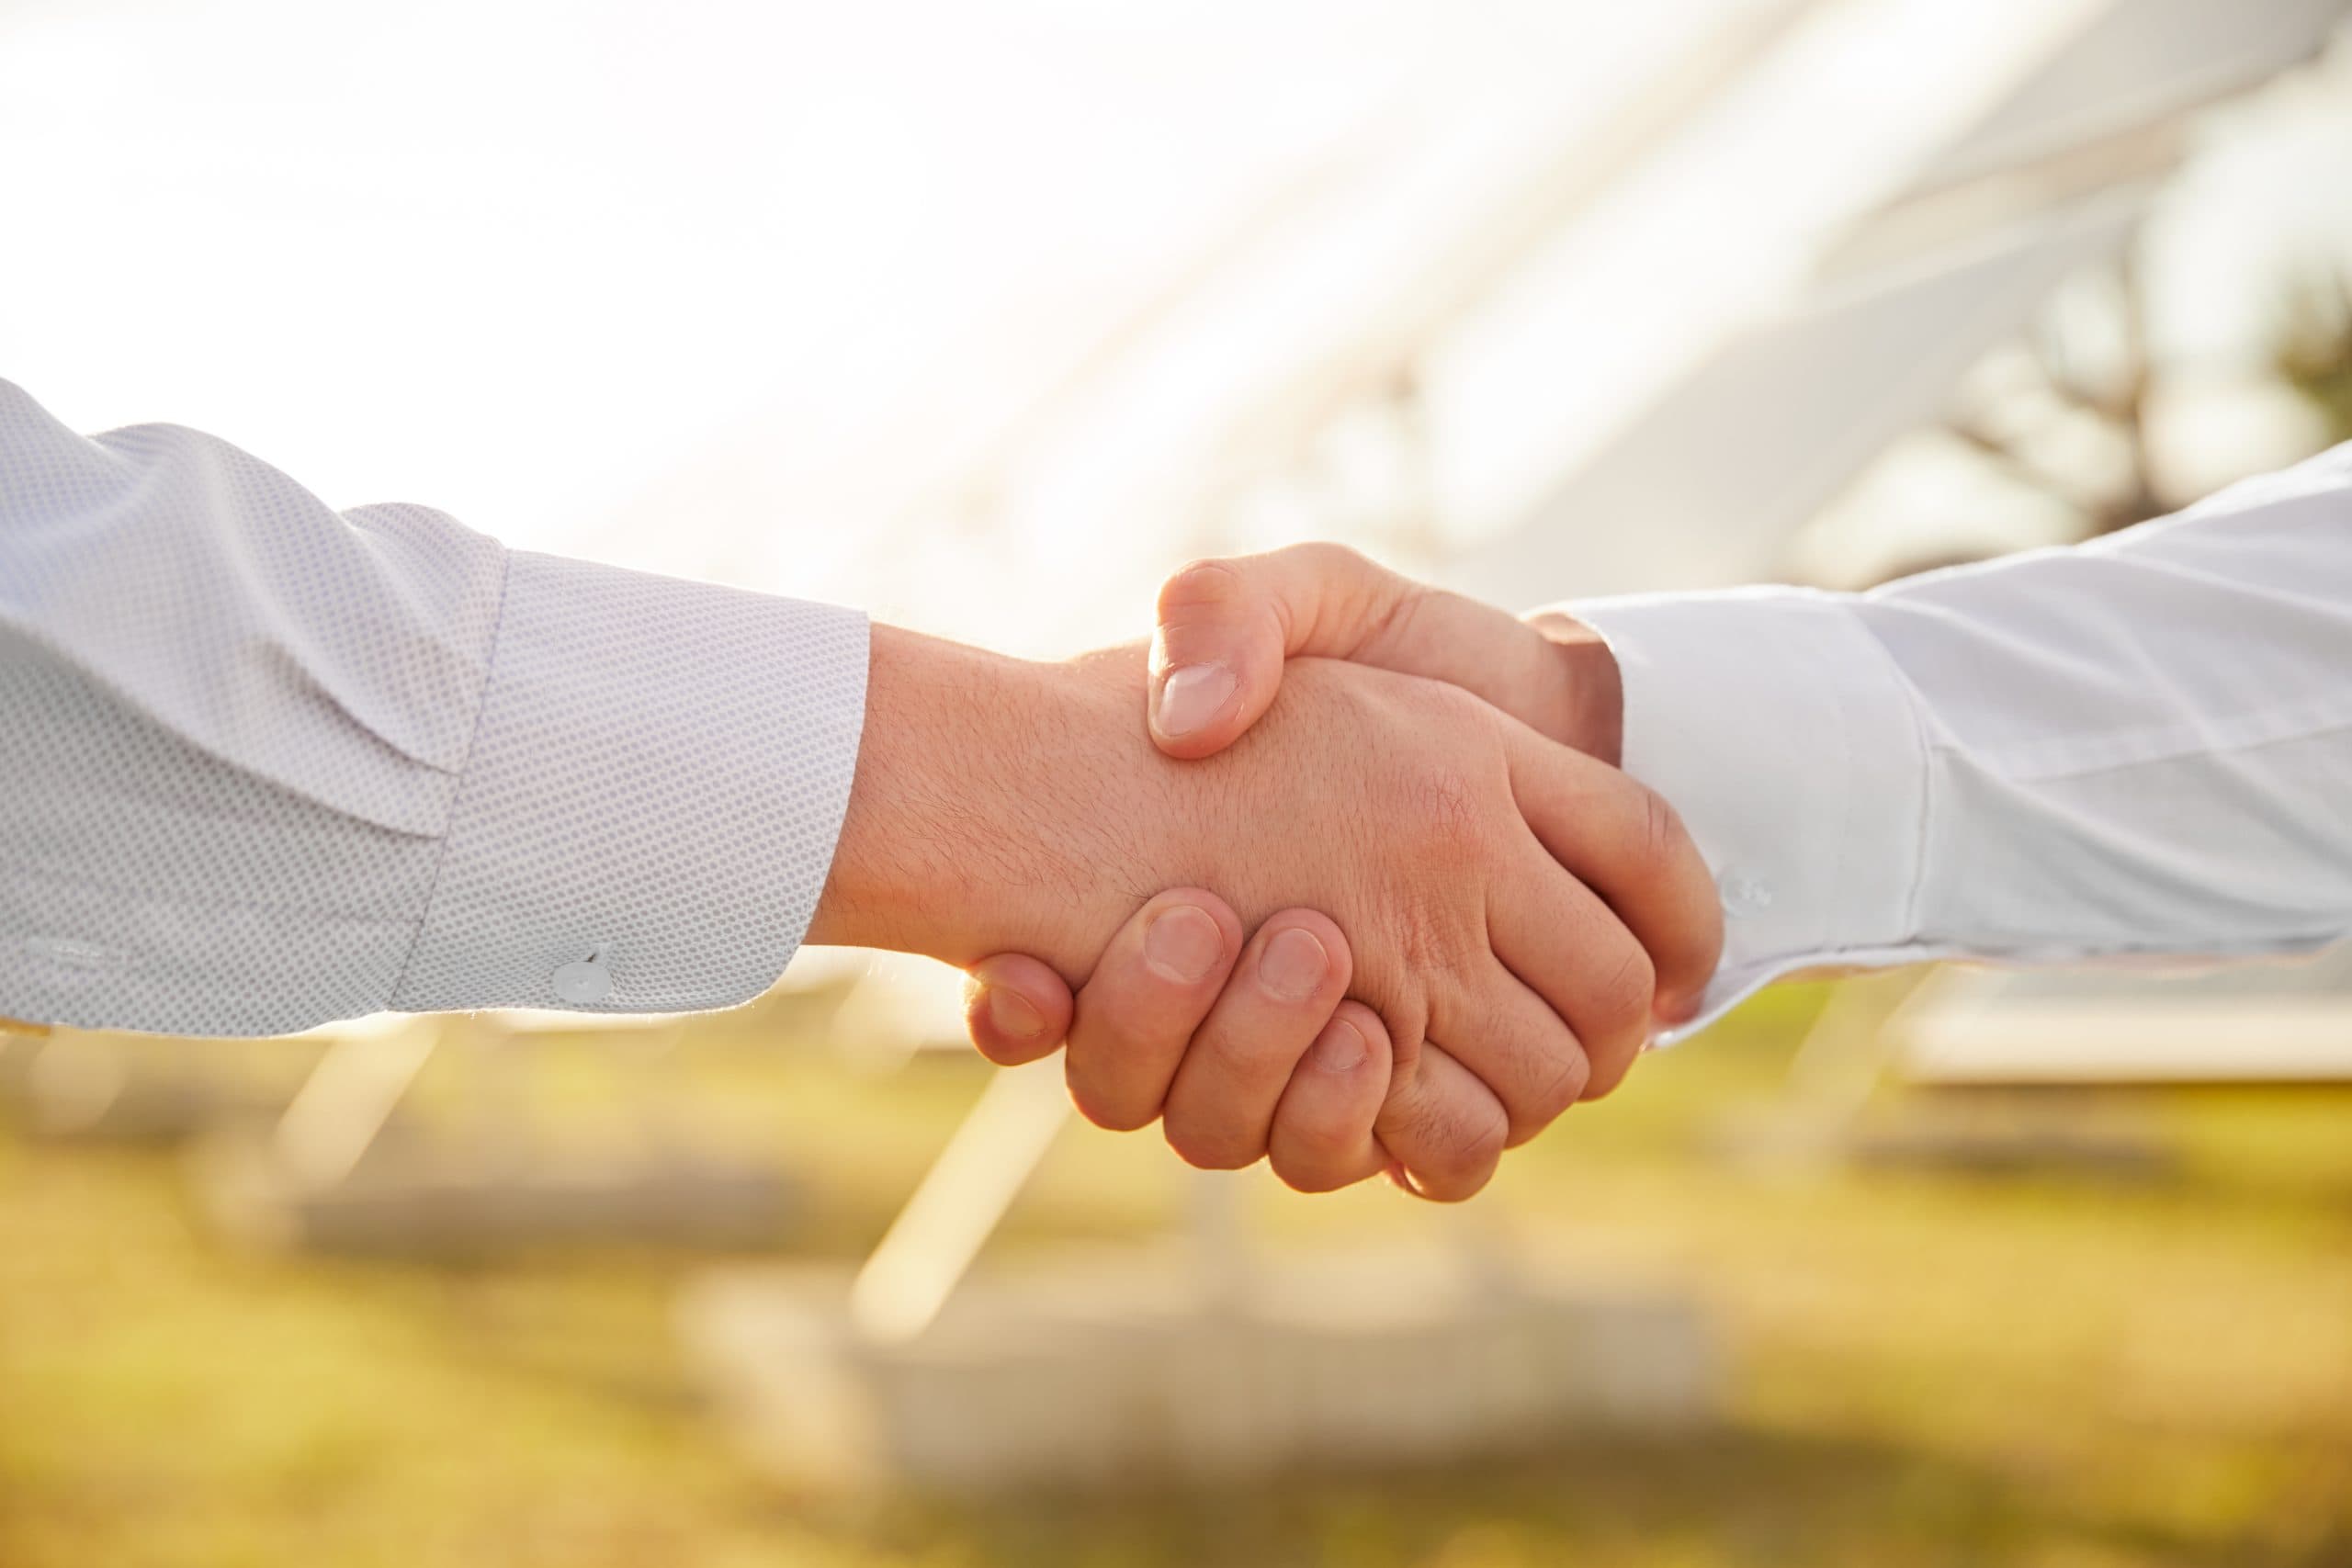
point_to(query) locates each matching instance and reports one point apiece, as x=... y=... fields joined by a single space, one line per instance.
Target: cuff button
x=1744 y=894
x=583 y=983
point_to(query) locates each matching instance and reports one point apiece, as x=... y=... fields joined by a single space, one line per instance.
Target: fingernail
x=1014 y=1016
x=1183 y=943
x=1292 y=965
x=1191 y=697
x=1339 y=1048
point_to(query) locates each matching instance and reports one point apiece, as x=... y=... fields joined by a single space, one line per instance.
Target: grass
x=2050 y=1370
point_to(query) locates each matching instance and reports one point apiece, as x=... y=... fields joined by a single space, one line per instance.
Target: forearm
x=996 y=804
x=1592 y=704
x=266 y=764
x=2138 y=747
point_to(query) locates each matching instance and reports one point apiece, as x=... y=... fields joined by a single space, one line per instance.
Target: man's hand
x=1167 y=985
x=1225 y=630
x=1003 y=807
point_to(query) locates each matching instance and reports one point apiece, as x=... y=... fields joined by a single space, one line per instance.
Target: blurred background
x=984 y=316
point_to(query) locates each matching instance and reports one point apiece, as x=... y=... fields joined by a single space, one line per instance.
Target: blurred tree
x=2066 y=379
x=2312 y=346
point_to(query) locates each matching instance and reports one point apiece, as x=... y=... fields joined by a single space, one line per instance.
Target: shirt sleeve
x=2140 y=747
x=268 y=765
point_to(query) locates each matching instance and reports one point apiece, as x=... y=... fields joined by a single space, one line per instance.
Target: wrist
x=994 y=803
x=1592 y=700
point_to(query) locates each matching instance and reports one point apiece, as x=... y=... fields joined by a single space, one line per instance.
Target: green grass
x=1929 y=1369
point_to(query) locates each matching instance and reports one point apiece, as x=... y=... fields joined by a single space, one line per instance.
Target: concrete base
x=2002 y=1137
x=1975 y=1134
x=417 y=1198
x=2284 y=1020
x=1126 y=1369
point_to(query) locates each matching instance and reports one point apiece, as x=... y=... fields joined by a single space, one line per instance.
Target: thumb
x=1226 y=626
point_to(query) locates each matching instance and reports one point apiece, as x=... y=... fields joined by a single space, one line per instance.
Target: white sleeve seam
x=458 y=796
x=1923 y=755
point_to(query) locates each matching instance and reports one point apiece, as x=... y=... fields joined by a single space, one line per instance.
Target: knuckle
x=1308 y=1173
x=1129 y=1008
x=1327 y=559
x=1465 y=1171
x=1621 y=999
x=1208 y=1148
x=1311 y=1155
x=1481 y=1143
x=1207 y=583
x=1457 y=1150
x=1433 y=932
x=1446 y=811
x=1112 y=1034
x=1329 y=552
x=1453 y=798
x=1447 y=711
x=1558 y=1082
x=1107 y=1110
x=1318 y=1139
x=1238 y=1056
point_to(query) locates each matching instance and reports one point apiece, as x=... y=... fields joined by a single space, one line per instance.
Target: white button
x=1744 y=894
x=582 y=982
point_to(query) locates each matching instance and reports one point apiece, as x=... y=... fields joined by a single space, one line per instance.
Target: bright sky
x=519 y=256
x=744 y=290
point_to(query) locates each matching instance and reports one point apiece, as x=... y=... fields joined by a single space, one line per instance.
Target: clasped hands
x=1441 y=916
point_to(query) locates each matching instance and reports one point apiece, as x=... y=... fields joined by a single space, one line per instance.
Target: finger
x=1221 y=1108
x=1512 y=1042
x=1627 y=844
x=1571 y=950
x=1015 y=1009
x=1322 y=1137
x=1227 y=628
x=1155 y=983
x=1445 y=1127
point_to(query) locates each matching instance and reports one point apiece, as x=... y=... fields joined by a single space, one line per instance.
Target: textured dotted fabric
x=264 y=765
x=657 y=784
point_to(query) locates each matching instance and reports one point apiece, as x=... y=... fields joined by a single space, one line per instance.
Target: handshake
x=1441 y=916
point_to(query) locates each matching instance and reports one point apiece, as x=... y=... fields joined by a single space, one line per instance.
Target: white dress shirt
x=263 y=765
x=2138 y=748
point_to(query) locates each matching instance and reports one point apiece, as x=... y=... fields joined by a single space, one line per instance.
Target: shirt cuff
x=649 y=810
x=1782 y=731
